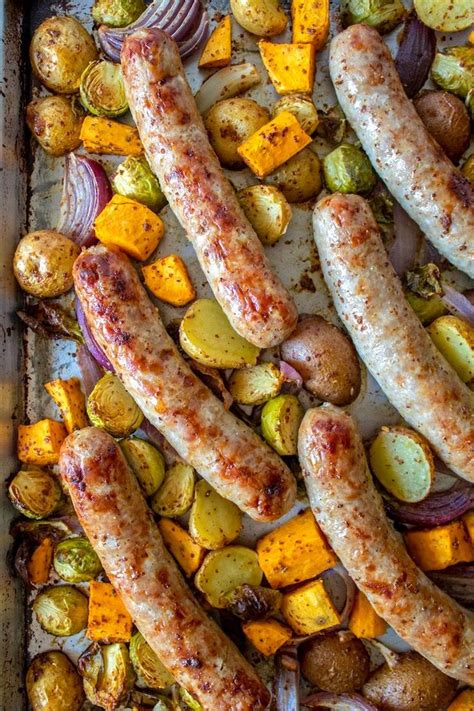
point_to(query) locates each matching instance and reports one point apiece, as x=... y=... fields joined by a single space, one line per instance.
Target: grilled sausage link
x=388 y=335
x=178 y=150
x=415 y=169
x=220 y=447
x=350 y=512
x=120 y=527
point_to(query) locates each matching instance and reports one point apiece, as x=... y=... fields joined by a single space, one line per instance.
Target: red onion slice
x=415 y=54
x=286 y=685
x=196 y=39
x=457 y=581
x=92 y=345
x=86 y=191
x=436 y=510
x=458 y=303
x=91 y=371
x=291 y=375
x=405 y=246
x=342 y=702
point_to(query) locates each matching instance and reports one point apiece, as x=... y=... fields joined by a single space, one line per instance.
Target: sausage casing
x=220 y=447
x=388 y=335
x=350 y=512
x=120 y=527
x=179 y=153
x=413 y=166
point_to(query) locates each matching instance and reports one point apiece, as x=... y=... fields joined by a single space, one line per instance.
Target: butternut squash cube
x=102 y=135
x=130 y=226
x=186 y=552
x=39 y=564
x=70 y=399
x=440 y=547
x=364 y=621
x=310 y=21
x=295 y=551
x=109 y=620
x=469 y=524
x=273 y=144
x=267 y=635
x=465 y=700
x=309 y=608
x=168 y=279
x=40 y=443
x=291 y=67
x=218 y=49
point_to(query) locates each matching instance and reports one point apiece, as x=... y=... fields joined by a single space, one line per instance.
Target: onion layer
x=287 y=682
x=342 y=702
x=93 y=347
x=437 y=509
x=226 y=83
x=458 y=303
x=405 y=246
x=415 y=54
x=457 y=581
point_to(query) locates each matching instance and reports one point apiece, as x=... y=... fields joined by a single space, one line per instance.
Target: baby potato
x=229 y=123
x=264 y=18
x=59 y=52
x=299 y=179
x=326 y=360
x=43 y=263
x=336 y=662
x=55 y=124
x=454 y=338
x=224 y=570
x=214 y=521
x=447 y=119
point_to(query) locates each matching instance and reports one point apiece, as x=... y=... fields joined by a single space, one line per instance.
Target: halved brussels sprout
x=35 y=493
x=53 y=684
x=256 y=385
x=281 y=419
x=224 y=570
x=214 y=521
x=151 y=673
x=468 y=167
x=107 y=674
x=134 y=179
x=384 y=15
x=267 y=210
x=117 y=13
x=470 y=102
x=147 y=462
x=75 y=561
x=453 y=70
x=188 y=700
x=102 y=89
x=253 y=602
x=111 y=407
x=61 y=610
x=348 y=170
x=176 y=494
x=302 y=107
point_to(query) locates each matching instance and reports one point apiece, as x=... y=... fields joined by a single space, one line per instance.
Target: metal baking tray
x=30 y=185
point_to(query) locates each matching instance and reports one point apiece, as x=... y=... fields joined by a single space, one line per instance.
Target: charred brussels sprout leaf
x=151 y=673
x=188 y=701
x=50 y=320
x=348 y=170
x=427 y=309
x=61 y=610
x=117 y=13
x=147 y=463
x=134 y=179
x=111 y=407
x=102 y=89
x=453 y=70
x=253 y=602
x=384 y=15
x=75 y=561
x=332 y=125
x=35 y=493
x=53 y=684
x=107 y=673
x=425 y=281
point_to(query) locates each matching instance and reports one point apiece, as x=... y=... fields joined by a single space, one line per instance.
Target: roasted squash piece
x=291 y=67
x=218 y=49
x=187 y=552
x=465 y=700
x=102 y=135
x=309 y=608
x=109 y=620
x=267 y=635
x=39 y=564
x=40 y=443
x=70 y=399
x=364 y=621
x=168 y=279
x=310 y=21
x=440 y=547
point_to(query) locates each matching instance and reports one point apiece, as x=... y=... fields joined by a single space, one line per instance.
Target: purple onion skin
x=458 y=582
x=436 y=510
x=415 y=54
x=92 y=346
x=329 y=700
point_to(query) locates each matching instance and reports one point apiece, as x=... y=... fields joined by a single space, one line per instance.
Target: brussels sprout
x=427 y=309
x=425 y=281
x=75 y=561
x=281 y=419
x=253 y=602
x=111 y=407
x=332 y=125
x=147 y=462
x=151 y=673
x=255 y=385
x=102 y=89
x=35 y=493
x=61 y=610
x=302 y=107
x=134 y=179
x=117 y=13
x=188 y=701
x=176 y=494
x=453 y=70
x=348 y=170
x=468 y=168
x=107 y=673
x=53 y=684
x=384 y=15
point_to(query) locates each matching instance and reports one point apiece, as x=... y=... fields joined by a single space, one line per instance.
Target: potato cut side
x=254 y=386
x=402 y=461
x=445 y=16
x=175 y=495
x=224 y=570
x=214 y=521
x=267 y=210
x=454 y=338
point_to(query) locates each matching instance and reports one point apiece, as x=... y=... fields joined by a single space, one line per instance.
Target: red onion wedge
x=341 y=702
x=291 y=377
x=457 y=581
x=436 y=510
x=86 y=191
x=415 y=54
x=286 y=685
x=95 y=350
x=407 y=237
x=90 y=370
x=458 y=303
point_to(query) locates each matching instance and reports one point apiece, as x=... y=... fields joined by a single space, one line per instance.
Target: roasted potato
x=454 y=338
x=53 y=684
x=55 y=124
x=445 y=16
x=59 y=52
x=299 y=179
x=226 y=569
x=325 y=359
x=336 y=662
x=229 y=123
x=214 y=521
x=264 y=18
x=413 y=684
x=43 y=263
x=302 y=107
x=447 y=119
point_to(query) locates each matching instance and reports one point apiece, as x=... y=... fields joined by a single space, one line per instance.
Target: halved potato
x=214 y=521
x=281 y=419
x=254 y=386
x=267 y=210
x=264 y=18
x=226 y=569
x=445 y=16
x=402 y=461
x=206 y=335
x=454 y=337
x=176 y=494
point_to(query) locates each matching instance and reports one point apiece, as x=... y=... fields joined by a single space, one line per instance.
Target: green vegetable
x=147 y=462
x=468 y=168
x=61 y=610
x=253 y=602
x=332 y=125
x=134 y=179
x=111 y=407
x=49 y=320
x=453 y=70
x=384 y=15
x=426 y=309
x=75 y=561
x=107 y=674
x=255 y=385
x=348 y=170
x=151 y=673
x=35 y=493
x=188 y=701
x=425 y=281
x=176 y=494
x=470 y=102
x=102 y=89
x=117 y=13
x=53 y=684
x=281 y=419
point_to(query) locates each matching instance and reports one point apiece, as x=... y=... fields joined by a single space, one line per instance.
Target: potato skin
x=60 y=50
x=229 y=123
x=326 y=360
x=414 y=684
x=55 y=124
x=299 y=179
x=264 y=18
x=43 y=263
x=447 y=119
x=336 y=662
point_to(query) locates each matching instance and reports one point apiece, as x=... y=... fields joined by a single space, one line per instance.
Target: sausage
x=179 y=153
x=128 y=328
x=387 y=334
x=121 y=529
x=350 y=512
x=413 y=166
